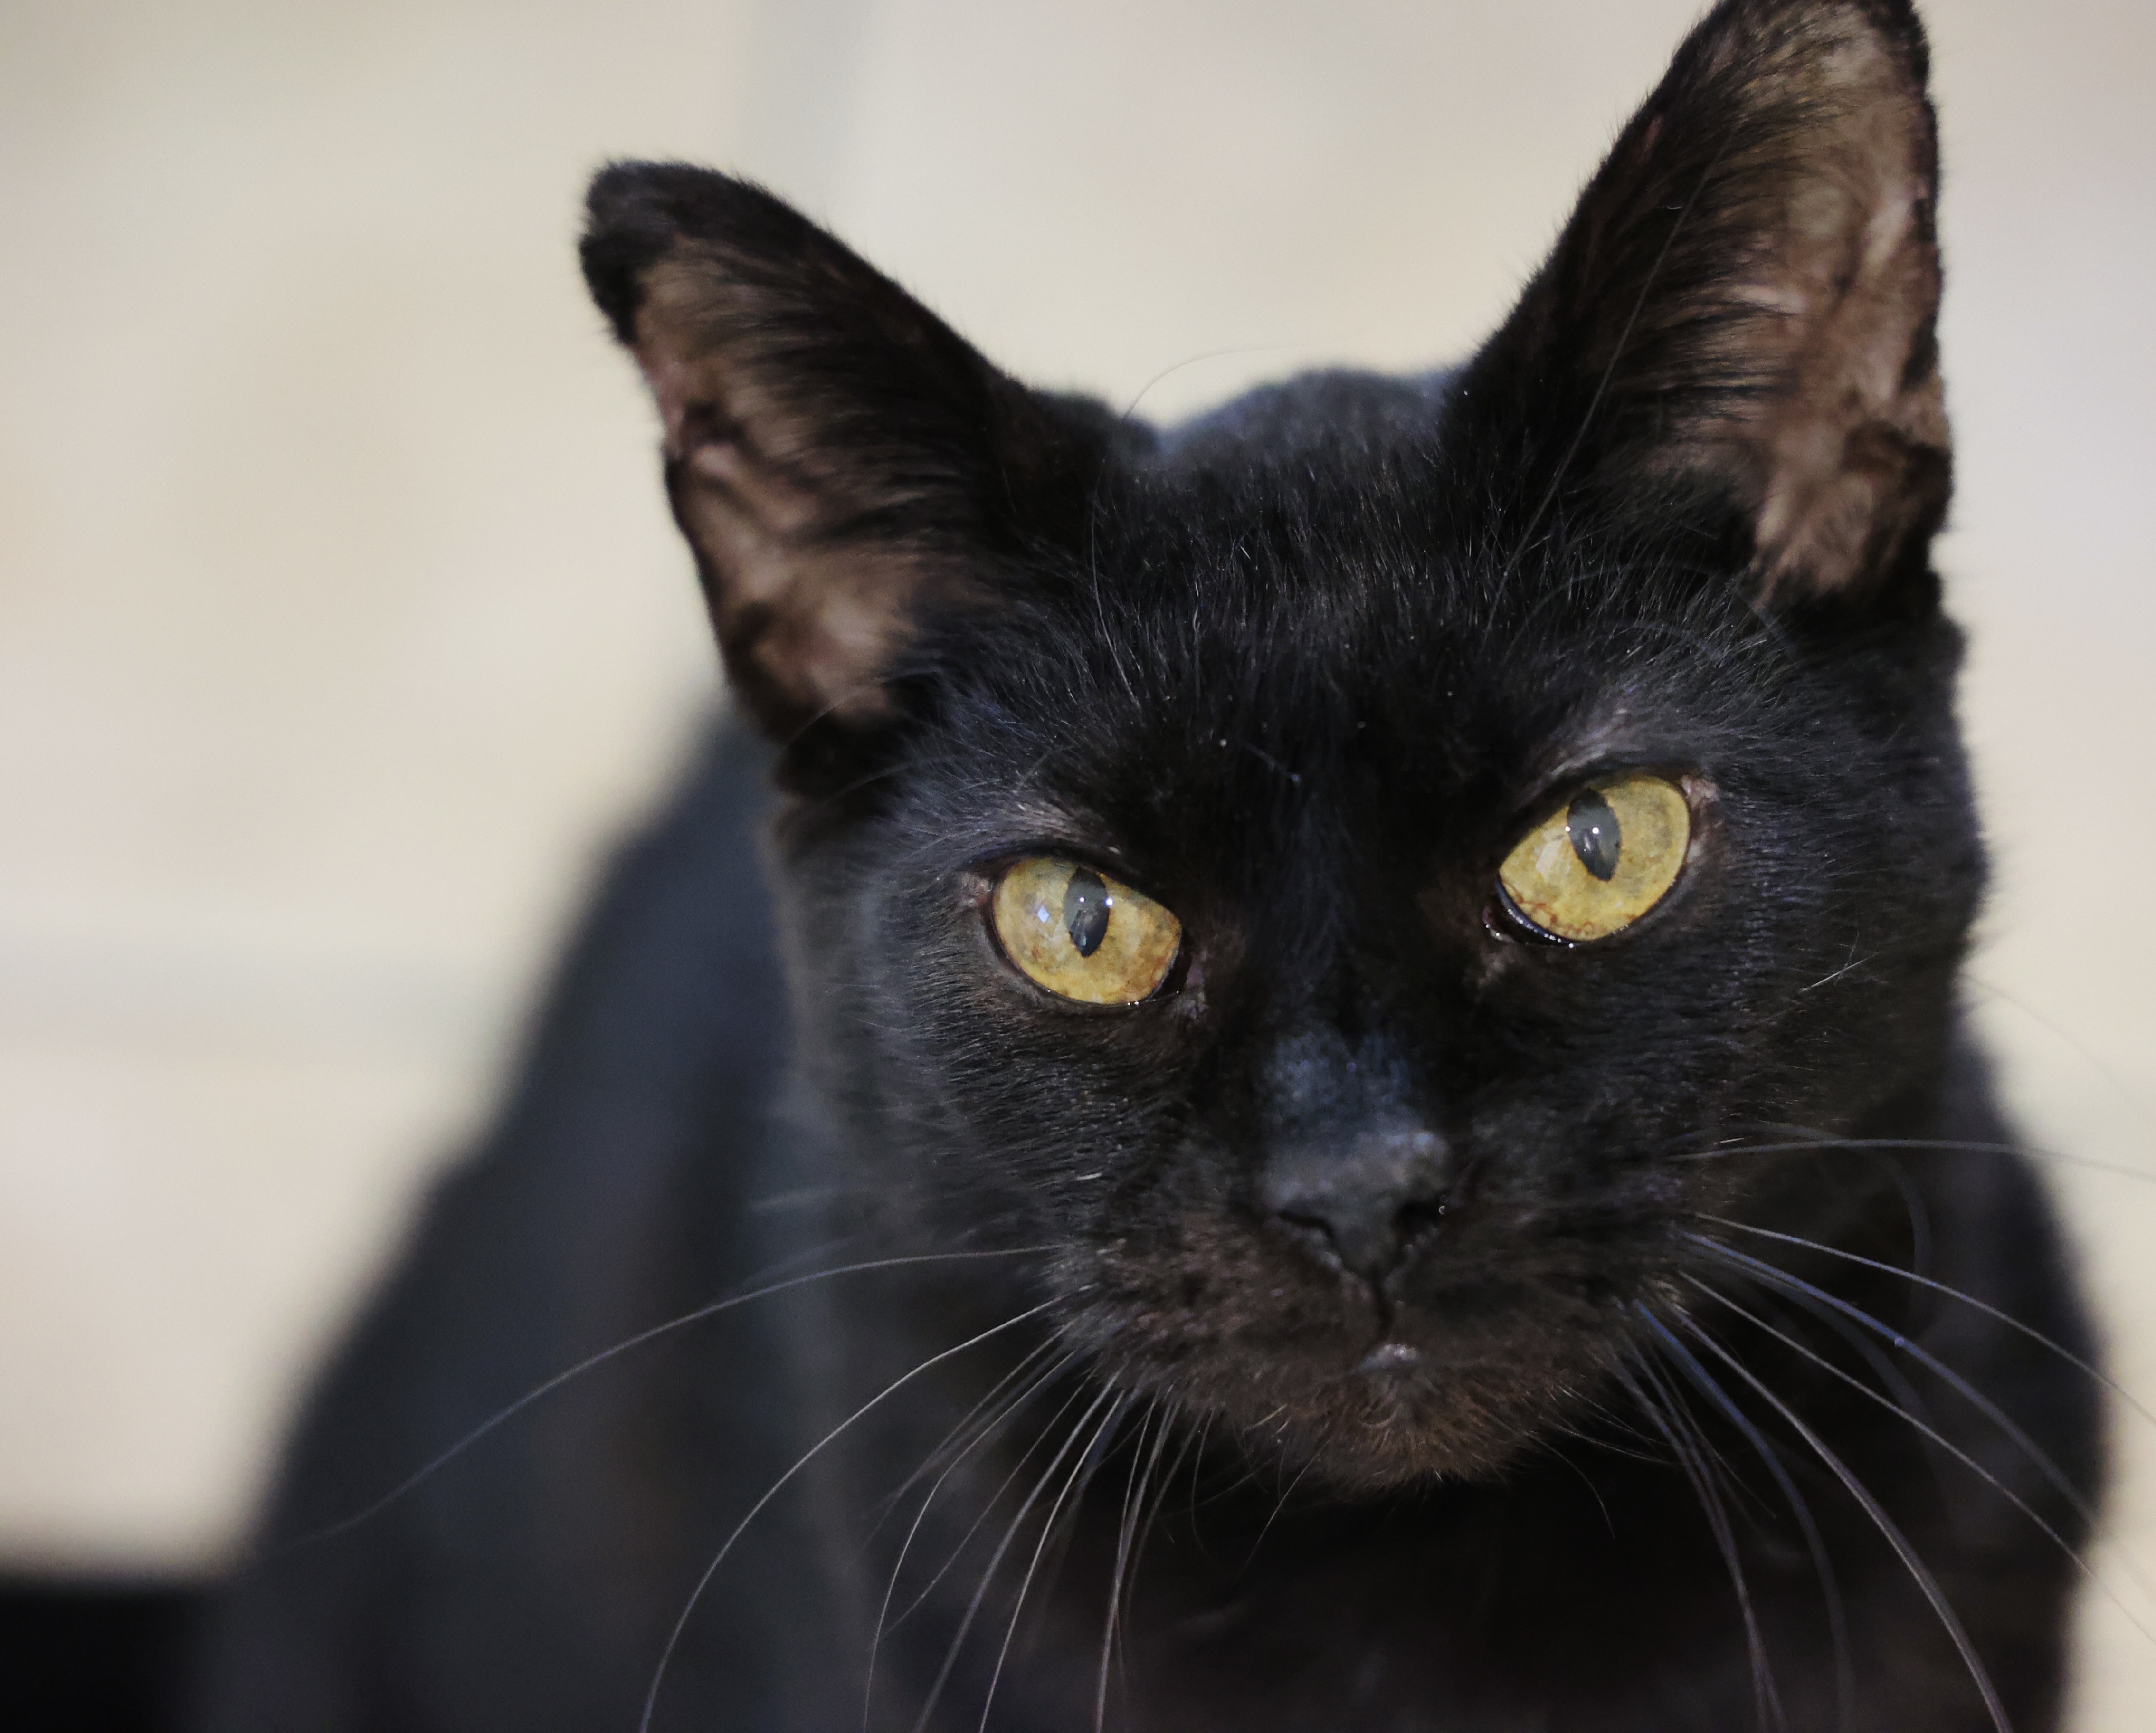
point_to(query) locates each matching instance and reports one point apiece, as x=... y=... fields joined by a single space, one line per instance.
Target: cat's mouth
x=1450 y=1378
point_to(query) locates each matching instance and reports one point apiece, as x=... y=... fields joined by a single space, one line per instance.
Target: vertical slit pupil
x=1595 y=834
x=1085 y=908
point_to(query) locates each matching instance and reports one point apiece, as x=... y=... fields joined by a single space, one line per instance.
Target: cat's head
x=1335 y=869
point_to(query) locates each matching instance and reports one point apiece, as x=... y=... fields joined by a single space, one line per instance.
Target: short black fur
x=1405 y=1318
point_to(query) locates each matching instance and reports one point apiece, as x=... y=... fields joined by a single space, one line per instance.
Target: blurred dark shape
x=100 y=1657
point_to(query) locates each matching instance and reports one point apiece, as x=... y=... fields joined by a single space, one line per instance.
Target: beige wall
x=340 y=625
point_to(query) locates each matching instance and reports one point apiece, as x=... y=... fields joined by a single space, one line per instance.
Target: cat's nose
x=1364 y=1200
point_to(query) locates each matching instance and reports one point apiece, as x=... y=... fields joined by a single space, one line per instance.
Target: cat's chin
x=1396 y=1417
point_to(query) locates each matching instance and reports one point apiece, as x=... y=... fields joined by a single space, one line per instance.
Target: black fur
x=1599 y=1437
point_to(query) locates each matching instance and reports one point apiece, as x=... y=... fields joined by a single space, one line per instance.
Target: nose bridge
x=1332 y=1074
x=1348 y=1151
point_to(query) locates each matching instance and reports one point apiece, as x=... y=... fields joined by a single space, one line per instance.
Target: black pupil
x=1594 y=837
x=1085 y=911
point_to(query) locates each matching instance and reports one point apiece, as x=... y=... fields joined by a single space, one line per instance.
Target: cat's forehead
x=1262 y=659
x=1312 y=488
x=1342 y=523
x=1304 y=570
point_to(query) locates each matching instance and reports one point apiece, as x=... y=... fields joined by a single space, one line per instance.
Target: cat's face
x=1335 y=874
x=1376 y=1166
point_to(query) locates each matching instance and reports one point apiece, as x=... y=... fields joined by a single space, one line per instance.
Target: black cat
x=1373 y=1132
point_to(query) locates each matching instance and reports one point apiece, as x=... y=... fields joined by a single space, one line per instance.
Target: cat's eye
x=1081 y=934
x=1600 y=861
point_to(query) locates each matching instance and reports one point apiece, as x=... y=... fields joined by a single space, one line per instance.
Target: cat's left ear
x=1732 y=345
x=839 y=459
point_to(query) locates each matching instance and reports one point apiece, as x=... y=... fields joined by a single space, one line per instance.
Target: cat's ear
x=1739 y=319
x=839 y=458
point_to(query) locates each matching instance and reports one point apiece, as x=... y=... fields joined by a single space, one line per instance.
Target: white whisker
x=711 y=1570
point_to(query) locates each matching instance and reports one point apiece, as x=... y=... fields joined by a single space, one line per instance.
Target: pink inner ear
x=1827 y=255
x=671 y=379
x=1856 y=276
x=834 y=452
x=807 y=625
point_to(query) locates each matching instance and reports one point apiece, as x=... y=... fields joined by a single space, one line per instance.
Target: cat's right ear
x=839 y=459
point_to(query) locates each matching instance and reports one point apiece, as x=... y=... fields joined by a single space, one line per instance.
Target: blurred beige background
x=340 y=625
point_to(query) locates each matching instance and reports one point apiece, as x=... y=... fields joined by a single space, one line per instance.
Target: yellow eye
x=1603 y=860
x=1082 y=935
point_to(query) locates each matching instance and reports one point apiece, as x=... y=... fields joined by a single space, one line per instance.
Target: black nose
x=1367 y=1196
